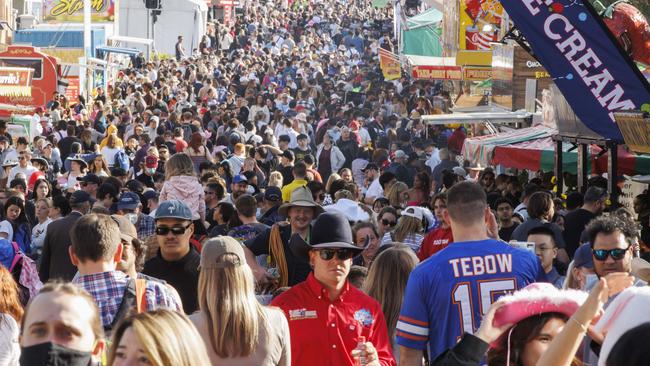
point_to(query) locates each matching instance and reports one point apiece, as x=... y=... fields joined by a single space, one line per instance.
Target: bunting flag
x=389 y=64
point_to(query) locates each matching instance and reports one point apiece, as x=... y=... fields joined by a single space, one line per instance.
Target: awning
x=480 y=150
x=531 y=148
x=102 y=50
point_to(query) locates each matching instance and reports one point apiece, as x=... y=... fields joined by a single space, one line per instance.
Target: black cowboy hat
x=330 y=230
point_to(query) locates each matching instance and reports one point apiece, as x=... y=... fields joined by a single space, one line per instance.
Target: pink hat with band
x=535 y=299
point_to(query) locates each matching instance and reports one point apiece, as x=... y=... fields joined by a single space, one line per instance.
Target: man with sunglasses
x=332 y=322
x=611 y=246
x=24 y=166
x=176 y=261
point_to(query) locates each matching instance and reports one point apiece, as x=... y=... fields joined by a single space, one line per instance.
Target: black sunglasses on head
x=602 y=254
x=342 y=254
x=176 y=230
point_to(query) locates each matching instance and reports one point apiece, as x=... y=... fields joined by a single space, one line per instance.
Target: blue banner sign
x=586 y=64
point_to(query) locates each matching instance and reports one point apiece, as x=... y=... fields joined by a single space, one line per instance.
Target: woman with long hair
x=16 y=227
x=386 y=283
x=421 y=189
x=181 y=184
x=43 y=206
x=197 y=151
x=225 y=172
x=11 y=314
x=440 y=237
x=329 y=157
x=111 y=148
x=361 y=231
x=236 y=328
x=408 y=230
x=157 y=338
x=398 y=195
x=386 y=220
x=42 y=189
x=99 y=166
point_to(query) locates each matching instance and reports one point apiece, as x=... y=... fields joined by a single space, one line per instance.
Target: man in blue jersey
x=448 y=294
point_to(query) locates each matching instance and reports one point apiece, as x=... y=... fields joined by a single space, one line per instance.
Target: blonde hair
x=406 y=225
x=179 y=164
x=386 y=281
x=275 y=179
x=235 y=317
x=167 y=338
x=395 y=192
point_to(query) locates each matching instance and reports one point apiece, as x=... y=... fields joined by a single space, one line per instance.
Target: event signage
x=477 y=73
x=15 y=81
x=586 y=64
x=437 y=72
x=389 y=65
x=71 y=11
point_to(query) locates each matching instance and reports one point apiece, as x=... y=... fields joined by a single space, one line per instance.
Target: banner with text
x=389 y=64
x=16 y=81
x=575 y=47
x=71 y=11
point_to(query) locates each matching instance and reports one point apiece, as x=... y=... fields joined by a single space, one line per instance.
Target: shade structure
x=422 y=34
x=532 y=149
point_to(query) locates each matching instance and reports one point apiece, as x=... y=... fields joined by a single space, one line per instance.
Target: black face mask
x=50 y=354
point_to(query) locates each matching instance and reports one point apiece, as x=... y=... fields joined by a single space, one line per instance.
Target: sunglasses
x=388 y=223
x=207 y=193
x=342 y=254
x=176 y=230
x=616 y=254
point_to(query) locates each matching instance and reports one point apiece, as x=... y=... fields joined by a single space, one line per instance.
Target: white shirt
x=109 y=155
x=28 y=171
x=38 y=233
x=375 y=190
x=9 y=347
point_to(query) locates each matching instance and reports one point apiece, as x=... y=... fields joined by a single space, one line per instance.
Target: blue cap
x=583 y=258
x=273 y=194
x=173 y=209
x=147 y=195
x=239 y=178
x=129 y=201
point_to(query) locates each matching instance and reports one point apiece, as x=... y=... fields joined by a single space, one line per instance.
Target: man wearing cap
x=150 y=168
x=151 y=198
x=299 y=172
x=97 y=246
x=90 y=184
x=176 y=261
x=130 y=207
x=24 y=166
x=575 y=221
x=55 y=261
x=329 y=318
x=238 y=187
x=300 y=211
x=287 y=158
x=270 y=204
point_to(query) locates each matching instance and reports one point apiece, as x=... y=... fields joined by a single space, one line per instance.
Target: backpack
x=133 y=301
x=122 y=160
x=28 y=276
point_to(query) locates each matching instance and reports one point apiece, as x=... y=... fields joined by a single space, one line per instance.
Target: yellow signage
x=71 y=11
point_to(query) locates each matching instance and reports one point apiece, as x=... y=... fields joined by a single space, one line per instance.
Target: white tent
x=185 y=18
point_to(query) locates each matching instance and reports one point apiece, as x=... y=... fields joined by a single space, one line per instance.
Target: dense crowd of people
x=269 y=199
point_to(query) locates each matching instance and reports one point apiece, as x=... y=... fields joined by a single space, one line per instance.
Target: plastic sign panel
x=427 y=72
x=581 y=56
x=71 y=11
x=16 y=81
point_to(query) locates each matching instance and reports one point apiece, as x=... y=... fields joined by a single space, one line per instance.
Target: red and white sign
x=437 y=72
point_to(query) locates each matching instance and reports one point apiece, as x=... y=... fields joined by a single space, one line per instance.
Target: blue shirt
x=448 y=294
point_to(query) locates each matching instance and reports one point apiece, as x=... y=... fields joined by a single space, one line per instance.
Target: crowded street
x=324 y=182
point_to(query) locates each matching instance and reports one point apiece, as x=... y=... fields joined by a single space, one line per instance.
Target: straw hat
x=300 y=197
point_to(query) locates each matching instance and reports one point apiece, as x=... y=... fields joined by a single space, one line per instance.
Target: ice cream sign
x=16 y=81
x=573 y=44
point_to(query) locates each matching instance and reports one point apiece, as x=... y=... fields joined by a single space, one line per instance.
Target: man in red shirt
x=440 y=237
x=329 y=318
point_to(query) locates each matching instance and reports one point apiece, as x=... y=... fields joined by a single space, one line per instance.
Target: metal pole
x=559 y=173
x=612 y=171
x=582 y=166
x=87 y=46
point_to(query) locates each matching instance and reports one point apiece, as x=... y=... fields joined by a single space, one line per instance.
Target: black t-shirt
x=505 y=233
x=183 y=275
x=287 y=174
x=147 y=180
x=298 y=268
x=574 y=225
